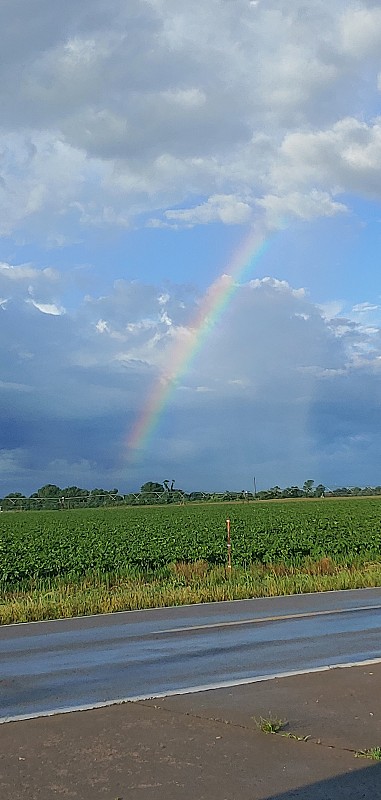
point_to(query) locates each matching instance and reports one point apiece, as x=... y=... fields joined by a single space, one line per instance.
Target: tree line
x=53 y=497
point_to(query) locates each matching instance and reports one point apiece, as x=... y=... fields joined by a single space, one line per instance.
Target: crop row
x=73 y=543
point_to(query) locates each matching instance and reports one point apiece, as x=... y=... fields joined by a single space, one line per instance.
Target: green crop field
x=35 y=545
x=64 y=563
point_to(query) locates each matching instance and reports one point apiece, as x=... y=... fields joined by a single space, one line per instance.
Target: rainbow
x=210 y=310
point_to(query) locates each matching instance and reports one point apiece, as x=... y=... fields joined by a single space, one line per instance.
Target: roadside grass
x=174 y=585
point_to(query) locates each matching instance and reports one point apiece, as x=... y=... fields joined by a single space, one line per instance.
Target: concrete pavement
x=206 y=745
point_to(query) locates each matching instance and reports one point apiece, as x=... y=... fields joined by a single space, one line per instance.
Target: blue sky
x=141 y=145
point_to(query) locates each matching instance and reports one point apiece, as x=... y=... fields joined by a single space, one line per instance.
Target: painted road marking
x=188 y=690
x=261 y=620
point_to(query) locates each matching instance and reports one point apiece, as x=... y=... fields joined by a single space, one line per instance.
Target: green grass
x=178 y=584
x=373 y=752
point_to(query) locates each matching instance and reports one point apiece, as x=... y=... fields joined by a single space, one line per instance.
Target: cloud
x=26 y=272
x=184 y=114
x=19 y=387
x=346 y=158
x=228 y=209
x=48 y=308
x=178 y=115
x=254 y=396
x=11 y=462
x=361 y=31
x=302 y=206
x=24 y=283
x=364 y=308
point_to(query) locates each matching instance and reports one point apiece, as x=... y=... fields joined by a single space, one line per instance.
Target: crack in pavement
x=310 y=739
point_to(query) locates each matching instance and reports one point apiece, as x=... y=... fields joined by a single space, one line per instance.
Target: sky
x=190 y=234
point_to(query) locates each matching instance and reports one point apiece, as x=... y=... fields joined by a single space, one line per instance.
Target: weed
x=273 y=724
x=372 y=752
x=324 y=566
x=189 y=571
x=270 y=724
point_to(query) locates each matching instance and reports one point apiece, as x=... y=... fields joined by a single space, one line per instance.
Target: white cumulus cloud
x=108 y=120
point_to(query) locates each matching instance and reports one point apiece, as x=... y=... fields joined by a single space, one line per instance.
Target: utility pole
x=255 y=487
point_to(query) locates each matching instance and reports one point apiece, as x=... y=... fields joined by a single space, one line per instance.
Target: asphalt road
x=85 y=662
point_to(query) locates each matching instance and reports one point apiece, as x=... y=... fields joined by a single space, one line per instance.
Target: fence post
x=229 y=545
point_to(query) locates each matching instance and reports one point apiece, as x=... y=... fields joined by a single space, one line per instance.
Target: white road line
x=188 y=690
x=261 y=620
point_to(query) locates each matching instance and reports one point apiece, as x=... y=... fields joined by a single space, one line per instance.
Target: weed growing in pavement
x=296 y=737
x=372 y=752
x=270 y=724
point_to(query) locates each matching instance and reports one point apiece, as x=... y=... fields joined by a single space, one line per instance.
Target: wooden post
x=229 y=545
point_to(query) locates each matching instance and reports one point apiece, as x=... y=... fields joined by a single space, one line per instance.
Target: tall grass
x=174 y=585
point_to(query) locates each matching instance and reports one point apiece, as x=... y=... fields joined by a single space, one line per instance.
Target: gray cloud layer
x=277 y=388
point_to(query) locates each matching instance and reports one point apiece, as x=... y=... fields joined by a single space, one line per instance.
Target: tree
x=49 y=490
x=275 y=492
x=13 y=500
x=48 y=496
x=292 y=491
x=152 y=486
x=307 y=487
x=74 y=491
x=74 y=496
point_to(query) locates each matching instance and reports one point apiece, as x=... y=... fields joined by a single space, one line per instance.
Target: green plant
x=372 y=752
x=317 y=537
x=85 y=561
x=270 y=724
x=276 y=725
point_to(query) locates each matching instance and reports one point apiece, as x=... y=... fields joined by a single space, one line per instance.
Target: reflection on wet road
x=89 y=661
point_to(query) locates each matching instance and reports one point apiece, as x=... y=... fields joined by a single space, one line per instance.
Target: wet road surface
x=84 y=662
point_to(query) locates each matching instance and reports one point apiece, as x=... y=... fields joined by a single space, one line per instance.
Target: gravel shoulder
x=206 y=745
